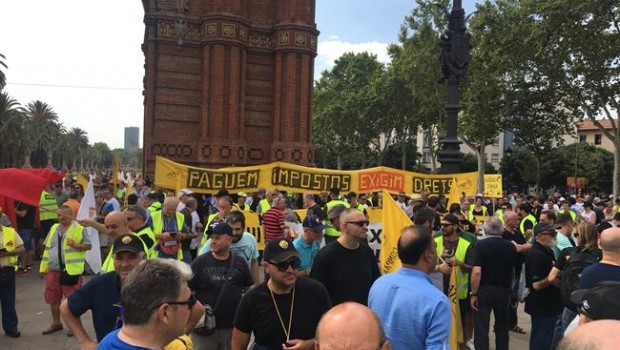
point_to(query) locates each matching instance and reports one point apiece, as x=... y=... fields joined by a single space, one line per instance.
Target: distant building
x=591 y=134
x=132 y=138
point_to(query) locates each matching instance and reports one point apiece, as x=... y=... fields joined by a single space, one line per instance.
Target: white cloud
x=330 y=50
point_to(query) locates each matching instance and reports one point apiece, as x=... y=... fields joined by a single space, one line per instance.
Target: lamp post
x=455 y=57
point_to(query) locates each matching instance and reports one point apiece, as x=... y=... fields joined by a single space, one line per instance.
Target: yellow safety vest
x=245 y=207
x=617 y=208
x=528 y=217
x=73 y=258
x=485 y=211
x=204 y=234
x=500 y=214
x=158 y=225
x=108 y=264
x=8 y=243
x=154 y=207
x=462 y=277
x=264 y=205
x=573 y=215
x=330 y=230
x=47 y=206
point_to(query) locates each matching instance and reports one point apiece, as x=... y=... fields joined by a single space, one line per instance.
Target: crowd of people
x=181 y=271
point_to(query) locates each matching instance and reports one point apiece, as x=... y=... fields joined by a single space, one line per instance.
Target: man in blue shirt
x=102 y=294
x=308 y=243
x=415 y=314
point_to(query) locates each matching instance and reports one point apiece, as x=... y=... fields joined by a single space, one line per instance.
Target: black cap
x=600 y=302
x=279 y=250
x=221 y=229
x=128 y=242
x=450 y=219
x=313 y=223
x=543 y=227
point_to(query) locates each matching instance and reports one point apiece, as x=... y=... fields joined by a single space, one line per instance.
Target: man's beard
x=236 y=239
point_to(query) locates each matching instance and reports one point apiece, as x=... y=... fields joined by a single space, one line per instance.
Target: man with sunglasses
x=102 y=294
x=219 y=280
x=282 y=313
x=346 y=267
x=544 y=302
x=157 y=303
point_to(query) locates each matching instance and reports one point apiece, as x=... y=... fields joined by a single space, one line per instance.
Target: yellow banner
x=456 y=331
x=493 y=186
x=295 y=178
x=393 y=221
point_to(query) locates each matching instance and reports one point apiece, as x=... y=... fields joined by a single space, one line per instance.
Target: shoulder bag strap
x=228 y=275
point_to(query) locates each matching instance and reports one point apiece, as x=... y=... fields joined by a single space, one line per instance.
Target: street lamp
x=455 y=57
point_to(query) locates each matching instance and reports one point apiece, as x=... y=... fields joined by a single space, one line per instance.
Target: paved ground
x=34 y=316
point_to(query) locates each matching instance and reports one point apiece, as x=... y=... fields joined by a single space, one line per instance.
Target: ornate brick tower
x=228 y=82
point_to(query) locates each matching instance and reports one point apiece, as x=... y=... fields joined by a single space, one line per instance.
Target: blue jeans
x=7 y=300
x=27 y=234
x=542 y=332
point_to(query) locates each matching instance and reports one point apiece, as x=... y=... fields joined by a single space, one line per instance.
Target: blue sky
x=83 y=57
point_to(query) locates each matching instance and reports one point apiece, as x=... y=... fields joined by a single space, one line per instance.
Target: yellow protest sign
x=493 y=186
x=394 y=220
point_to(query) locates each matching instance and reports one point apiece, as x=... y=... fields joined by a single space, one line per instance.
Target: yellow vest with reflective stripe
x=154 y=207
x=205 y=238
x=573 y=215
x=47 y=206
x=528 y=217
x=72 y=258
x=462 y=277
x=8 y=243
x=500 y=214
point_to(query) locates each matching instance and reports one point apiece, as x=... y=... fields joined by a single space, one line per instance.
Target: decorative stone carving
x=228 y=30
x=300 y=39
x=211 y=29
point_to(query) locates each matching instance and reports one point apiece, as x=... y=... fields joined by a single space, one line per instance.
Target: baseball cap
x=128 y=242
x=278 y=250
x=242 y=194
x=543 y=227
x=450 y=219
x=222 y=229
x=313 y=223
x=600 y=302
x=184 y=192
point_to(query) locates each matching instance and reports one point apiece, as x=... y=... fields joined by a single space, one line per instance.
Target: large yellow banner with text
x=295 y=178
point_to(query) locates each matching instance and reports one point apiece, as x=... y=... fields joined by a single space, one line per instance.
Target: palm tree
x=11 y=129
x=44 y=129
x=77 y=141
x=2 y=75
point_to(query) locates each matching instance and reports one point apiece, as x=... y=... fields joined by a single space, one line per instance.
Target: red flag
x=26 y=185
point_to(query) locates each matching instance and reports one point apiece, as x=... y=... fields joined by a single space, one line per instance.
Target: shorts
x=27 y=234
x=54 y=291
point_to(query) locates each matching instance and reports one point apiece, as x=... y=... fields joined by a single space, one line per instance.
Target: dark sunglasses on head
x=283 y=265
x=359 y=223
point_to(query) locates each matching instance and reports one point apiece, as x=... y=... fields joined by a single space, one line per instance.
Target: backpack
x=571 y=274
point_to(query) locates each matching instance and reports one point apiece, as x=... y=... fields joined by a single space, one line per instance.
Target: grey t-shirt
x=53 y=262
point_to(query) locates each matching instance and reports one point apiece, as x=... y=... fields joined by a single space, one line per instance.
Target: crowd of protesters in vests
x=181 y=271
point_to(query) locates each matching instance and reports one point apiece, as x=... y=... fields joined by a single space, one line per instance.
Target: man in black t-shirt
x=219 y=281
x=544 y=302
x=512 y=234
x=491 y=285
x=25 y=227
x=283 y=312
x=346 y=267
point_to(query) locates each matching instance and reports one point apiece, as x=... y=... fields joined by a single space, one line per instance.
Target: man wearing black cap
x=219 y=281
x=283 y=312
x=598 y=303
x=103 y=293
x=544 y=302
x=309 y=243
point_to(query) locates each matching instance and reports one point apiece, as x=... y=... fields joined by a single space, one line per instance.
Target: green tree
x=77 y=143
x=44 y=129
x=11 y=130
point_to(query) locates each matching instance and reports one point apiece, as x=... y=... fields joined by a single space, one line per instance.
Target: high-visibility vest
x=72 y=258
x=264 y=205
x=617 y=208
x=204 y=234
x=245 y=207
x=154 y=207
x=330 y=230
x=528 y=217
x=47 y=206
x=485 y=211
x=470 y=215
x=500 y=214
x=146 y=231
x=158 y=225
x=462 y=277
x=573 y=215
x=108 y=264
x=8 y=243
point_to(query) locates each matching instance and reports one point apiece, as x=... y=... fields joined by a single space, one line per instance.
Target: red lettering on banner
x=373 y=181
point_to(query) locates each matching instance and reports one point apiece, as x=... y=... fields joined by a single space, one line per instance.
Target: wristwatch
x=473 y=294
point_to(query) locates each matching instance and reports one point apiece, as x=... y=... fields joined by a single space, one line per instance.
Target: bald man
x=168 y=225
x=608 y=269
x=350 y=326
x=597 y=335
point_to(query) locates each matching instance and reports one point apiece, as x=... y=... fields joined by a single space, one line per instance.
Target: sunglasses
x=190 y=302
x=359 y=223
x=284 y=265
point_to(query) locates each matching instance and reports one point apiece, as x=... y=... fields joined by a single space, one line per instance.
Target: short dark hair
x=138 y=210
x=132 y=199
x=433 y=201
x=454 y=208
x=235 y=217
x=551 y=215
x=563 y=219
x=423 y=214
x=335 y=190
x=411 y=248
